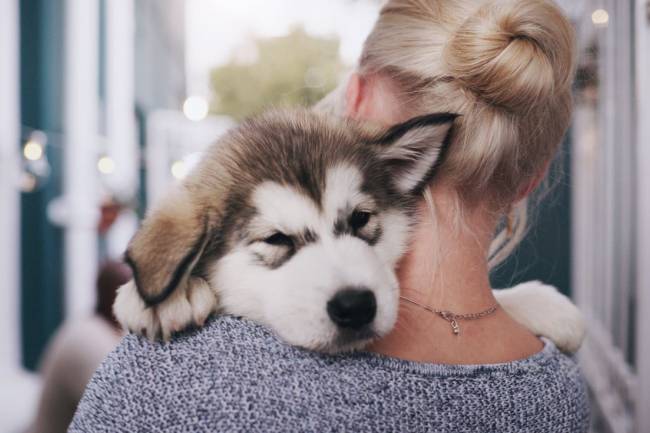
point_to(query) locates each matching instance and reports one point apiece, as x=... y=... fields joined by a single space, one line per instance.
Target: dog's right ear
x=412 y=150
x=167 y=246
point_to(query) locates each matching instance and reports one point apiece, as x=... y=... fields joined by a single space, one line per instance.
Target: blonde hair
x=507 y=67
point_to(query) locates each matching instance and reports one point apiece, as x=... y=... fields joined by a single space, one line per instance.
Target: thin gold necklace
x=453 y=318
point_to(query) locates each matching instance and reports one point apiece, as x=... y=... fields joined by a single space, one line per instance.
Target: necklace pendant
x=455 y=327
x=451 y=318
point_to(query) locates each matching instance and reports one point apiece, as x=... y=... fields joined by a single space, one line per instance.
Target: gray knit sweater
x=236 y=376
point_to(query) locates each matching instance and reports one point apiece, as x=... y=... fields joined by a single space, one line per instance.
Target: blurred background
x=104 y=103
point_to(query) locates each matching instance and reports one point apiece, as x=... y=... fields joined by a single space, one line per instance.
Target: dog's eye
x=359 y=219
x=279 y=239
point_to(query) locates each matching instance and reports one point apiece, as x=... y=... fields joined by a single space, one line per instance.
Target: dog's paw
x=546 y=312
x=185 y=307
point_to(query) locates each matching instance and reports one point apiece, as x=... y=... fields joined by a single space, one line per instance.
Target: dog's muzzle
x=352 y=308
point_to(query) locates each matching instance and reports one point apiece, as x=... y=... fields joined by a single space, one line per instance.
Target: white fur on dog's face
x=290 y=294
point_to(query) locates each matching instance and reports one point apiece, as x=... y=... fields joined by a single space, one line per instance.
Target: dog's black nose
x=352 y=308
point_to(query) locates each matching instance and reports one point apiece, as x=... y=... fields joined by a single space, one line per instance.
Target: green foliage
x=296 y=69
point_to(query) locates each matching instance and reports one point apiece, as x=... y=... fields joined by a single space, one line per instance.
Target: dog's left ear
x=412 y=150
x=166 y=248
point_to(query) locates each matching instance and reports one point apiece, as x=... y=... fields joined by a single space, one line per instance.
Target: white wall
x=643 y=216
x=18 y=389
x=81 y=192
x=9 y=194
x=120 y=96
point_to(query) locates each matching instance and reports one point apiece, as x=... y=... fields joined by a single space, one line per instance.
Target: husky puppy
x=297 y=220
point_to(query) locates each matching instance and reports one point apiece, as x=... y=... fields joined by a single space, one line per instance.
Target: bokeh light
x=179 y=169
x=33 y=151
x=195 y=108
x=106 y=165
x=600 y=17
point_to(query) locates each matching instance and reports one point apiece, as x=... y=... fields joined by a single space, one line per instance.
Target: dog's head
x=297 y=220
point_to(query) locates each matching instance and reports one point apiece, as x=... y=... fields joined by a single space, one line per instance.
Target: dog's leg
x=546 y=312
x=186 y=306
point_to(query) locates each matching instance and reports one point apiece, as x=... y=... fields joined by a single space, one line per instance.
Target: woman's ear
x=414 y=149
x=166 y=248
x=374 y=98
x=353 y=96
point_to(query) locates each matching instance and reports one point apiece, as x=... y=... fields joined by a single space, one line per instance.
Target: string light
x=195 y=108
x=600 y=17
x=33 y=150
x=36 y=168
x=179 y=169
x=106 y=165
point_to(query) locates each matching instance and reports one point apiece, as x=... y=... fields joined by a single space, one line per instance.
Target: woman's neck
x=446 y=269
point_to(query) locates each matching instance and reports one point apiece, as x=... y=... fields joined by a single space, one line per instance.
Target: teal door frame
x=41 y=73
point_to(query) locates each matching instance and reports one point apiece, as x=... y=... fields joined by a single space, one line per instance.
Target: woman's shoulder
x=223 y=338
x=543 y=392
x=546 y=374
x=549 y=359
x=140 y=377
x=248 y=377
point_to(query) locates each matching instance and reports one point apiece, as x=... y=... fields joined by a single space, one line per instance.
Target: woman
x=506 y=67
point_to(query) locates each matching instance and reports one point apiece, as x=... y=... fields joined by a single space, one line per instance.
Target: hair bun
x=513 y=53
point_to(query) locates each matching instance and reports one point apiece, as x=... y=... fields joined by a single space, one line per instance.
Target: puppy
x=296 y=220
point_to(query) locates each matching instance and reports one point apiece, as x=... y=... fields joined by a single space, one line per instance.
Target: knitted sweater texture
x=236 y=376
